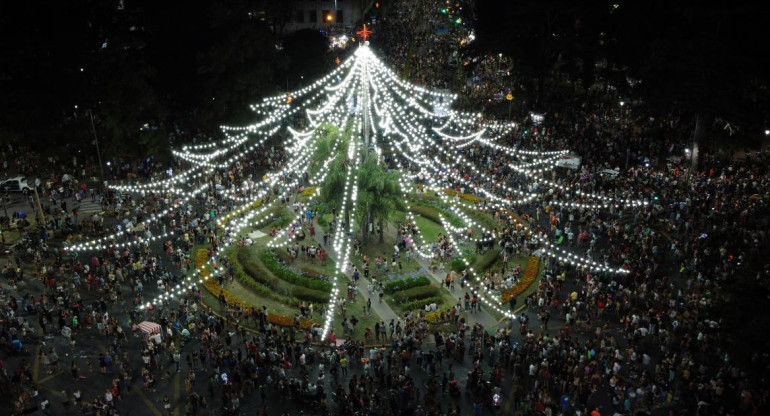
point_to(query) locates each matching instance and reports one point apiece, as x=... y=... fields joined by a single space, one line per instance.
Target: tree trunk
x=382 y=231
x=702 y=122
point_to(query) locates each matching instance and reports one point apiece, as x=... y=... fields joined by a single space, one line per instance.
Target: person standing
x=75 y=371
x=344 y=365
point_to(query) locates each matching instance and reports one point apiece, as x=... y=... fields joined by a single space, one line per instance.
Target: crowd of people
x=636 y=335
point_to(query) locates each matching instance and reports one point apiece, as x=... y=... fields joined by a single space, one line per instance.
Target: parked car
x=17 y=184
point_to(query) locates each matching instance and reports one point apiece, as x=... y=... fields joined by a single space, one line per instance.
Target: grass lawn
x=355 y=308
x=429 y=229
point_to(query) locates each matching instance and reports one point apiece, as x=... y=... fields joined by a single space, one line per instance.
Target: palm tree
x=378 y=195
x=333 y=186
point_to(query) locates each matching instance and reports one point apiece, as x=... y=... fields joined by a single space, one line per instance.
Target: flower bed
x=467 y=197
x=210 y=283
x=308 y=191
x=530 y=274
x=435 y=317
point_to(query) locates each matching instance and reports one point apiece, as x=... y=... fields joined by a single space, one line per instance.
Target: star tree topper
x=364 y=33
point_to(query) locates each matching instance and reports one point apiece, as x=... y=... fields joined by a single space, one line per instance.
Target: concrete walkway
x=381 y=309
x=483 y=317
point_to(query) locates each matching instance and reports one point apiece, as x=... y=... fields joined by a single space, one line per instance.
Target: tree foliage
x=141 y=68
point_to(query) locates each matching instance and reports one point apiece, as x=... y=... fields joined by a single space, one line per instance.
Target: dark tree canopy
x=142 y=68
x=305 y=51
x=694 y=57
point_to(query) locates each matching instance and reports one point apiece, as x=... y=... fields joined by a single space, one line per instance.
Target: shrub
x=201 y=259
x=323 y=222
x=261 y=286
x=257 y=271
x=435 y=317
x=403 y=284
x=282 y=221
x=420 y=304
x=270 y=260
x=415 y=293
x=486 y=260
x=426 y=212
x=310 y=295
x=432 y=212
x=458 y=264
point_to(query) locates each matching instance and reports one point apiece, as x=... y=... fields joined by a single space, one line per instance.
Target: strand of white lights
x=563 y=255
x=341 y=241
x=317 y=180
x=320 y=173
x=98 y=244
x=563 y=188
x=576 y=260
x=272 y=179
x=158 y=185
x=281 y=107
x=409 y=214
x=456 y=156
x=306 y=136
x=465 y=219
x=490 y=303
x=526 y=198
x=205 y=160
x=224 y=147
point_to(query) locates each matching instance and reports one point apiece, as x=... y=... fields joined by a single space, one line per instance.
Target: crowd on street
x=633 y=334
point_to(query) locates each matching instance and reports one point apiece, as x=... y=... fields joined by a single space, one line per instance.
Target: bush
x=420 y=304
x=270 y=260
x=262 y=285
x=415 y=293
x=403 y=284
x=310 y=295
x=254 y=270
x=426 y=212
x=486 y=260
x=323 y=222
x=432 y=212
x=283 y=221
x=457 y=264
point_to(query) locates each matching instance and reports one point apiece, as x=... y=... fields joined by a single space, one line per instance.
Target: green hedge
x=258 y=287
x=419 y=304
x=270 y=259
x=457 y=264
x=432 y=212
x=486 y=260
x=311 y=295
x=403 y=284
x=283 y=221
x=415 y=293
x=257 y=271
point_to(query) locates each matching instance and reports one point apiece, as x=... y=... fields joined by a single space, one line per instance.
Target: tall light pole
x=96 y=142
x=5 y=210
x=628 y=149
x=39 y=205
